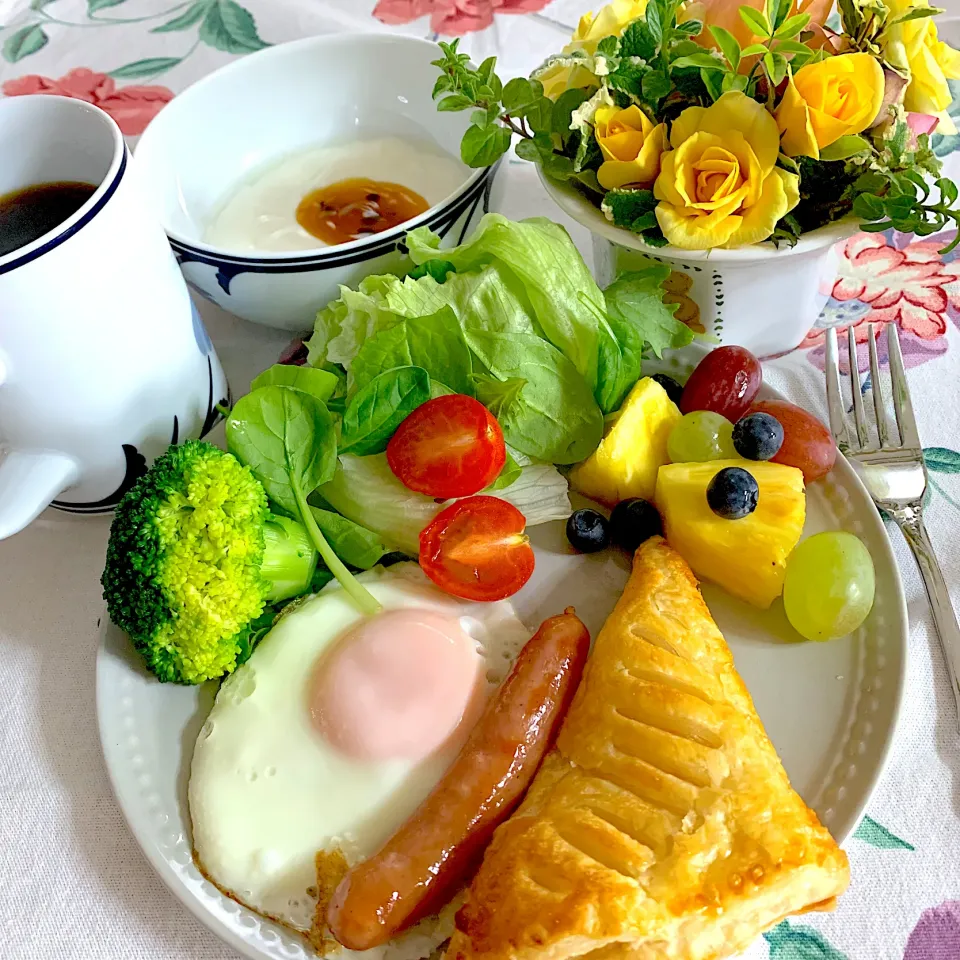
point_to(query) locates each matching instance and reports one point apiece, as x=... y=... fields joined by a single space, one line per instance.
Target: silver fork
x=893 y=471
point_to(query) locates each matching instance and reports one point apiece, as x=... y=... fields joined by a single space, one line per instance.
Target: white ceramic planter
x=759 y=297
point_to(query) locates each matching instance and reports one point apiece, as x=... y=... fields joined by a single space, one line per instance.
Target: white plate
x=829 y=708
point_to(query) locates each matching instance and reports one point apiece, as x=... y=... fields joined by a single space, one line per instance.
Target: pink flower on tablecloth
x=879 y=282
x=936 y=935
x=453 y=17
x=132 y=107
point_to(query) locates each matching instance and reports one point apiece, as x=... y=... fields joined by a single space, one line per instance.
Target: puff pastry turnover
x=662 y=826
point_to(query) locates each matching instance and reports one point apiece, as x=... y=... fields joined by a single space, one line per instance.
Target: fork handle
x=944 y=616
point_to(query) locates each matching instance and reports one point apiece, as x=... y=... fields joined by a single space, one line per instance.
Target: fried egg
x=260 y=213
x=273 y=781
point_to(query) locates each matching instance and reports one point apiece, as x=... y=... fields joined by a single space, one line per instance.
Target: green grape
x=829 y=587
x=699 y=436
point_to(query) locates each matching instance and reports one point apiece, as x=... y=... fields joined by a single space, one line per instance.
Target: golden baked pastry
x=662 y=826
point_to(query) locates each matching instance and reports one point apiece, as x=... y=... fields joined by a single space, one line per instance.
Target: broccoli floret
x=194 y=556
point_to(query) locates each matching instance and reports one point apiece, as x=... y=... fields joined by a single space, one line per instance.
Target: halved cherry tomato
x=450 y=446
x=476 y=549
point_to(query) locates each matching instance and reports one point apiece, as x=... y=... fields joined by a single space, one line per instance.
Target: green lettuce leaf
x=365 y=491
x=433 y=342
x=541 y=255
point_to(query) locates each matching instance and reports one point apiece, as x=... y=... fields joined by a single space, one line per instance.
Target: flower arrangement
x=710 y=124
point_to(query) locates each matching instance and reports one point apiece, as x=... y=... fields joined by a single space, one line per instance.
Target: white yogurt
x=260 y=213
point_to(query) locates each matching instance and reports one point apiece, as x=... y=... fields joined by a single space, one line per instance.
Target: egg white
x=260 y=213
x=267 y=792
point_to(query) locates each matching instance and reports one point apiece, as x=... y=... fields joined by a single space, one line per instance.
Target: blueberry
x=634 y=521
x=588 y=531
x=674 y=390
x=733 y=493
x=758 y=436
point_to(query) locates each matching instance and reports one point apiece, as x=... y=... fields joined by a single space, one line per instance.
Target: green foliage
x=845 y=147
x=498 y=111
x=637 y=298
x=824 y=195
x=634 y=210
x=287 y=439
x=892 y=192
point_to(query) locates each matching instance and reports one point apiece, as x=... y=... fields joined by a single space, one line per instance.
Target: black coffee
x=27 y=214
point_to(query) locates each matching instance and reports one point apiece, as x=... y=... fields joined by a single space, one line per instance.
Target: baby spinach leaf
x=379 y=407
x=287 y=439
x=318 y=383
x=495 y=394
x=353 y=544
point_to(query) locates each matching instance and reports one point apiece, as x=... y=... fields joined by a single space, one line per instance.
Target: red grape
x=807 y=443
x=726 y=381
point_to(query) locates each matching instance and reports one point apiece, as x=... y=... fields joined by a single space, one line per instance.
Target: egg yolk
x=358 y=207
x=397 y=685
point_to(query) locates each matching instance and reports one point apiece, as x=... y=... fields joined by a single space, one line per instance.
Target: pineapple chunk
x=747 y=557
x=634 y=448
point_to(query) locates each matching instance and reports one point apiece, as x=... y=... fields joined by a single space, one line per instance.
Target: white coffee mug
x=104 y=360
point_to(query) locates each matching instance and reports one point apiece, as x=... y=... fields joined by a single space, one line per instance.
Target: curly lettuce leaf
x=555 y=279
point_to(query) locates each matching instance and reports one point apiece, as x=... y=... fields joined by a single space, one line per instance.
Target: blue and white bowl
x=271 y=104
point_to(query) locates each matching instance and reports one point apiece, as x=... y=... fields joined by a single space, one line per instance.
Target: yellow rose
x=631 y=146
x=915 y=47
x=609 y=21
x=828 y=100
x=720 y=186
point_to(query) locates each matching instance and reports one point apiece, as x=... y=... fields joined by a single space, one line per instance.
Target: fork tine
x=883 y=431
x=858 y=415
x=906 y=421
x=838 y=422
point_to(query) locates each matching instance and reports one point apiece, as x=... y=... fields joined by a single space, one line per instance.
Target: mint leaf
x=608 y=47
x=626 y=206
x=638 y=41
x=656 y=85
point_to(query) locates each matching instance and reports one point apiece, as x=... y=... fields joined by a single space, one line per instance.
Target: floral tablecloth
x=72 y=882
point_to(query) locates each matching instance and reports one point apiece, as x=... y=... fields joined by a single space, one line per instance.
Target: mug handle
x=29 y=482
